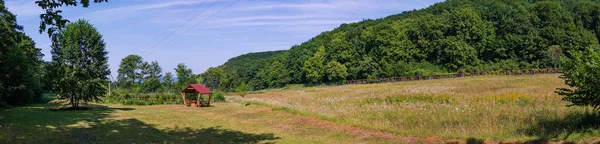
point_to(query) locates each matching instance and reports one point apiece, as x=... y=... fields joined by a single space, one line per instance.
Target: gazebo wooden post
x=183 y=96
x=199 y=100
x=208 y=104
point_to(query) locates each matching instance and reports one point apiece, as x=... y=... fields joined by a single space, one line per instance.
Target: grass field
x=480 y=109
x=222 y=123
x=505 y=108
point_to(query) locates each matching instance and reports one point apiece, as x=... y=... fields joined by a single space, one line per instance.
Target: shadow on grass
x=41 y=124
x=475 y=141
x=573 y=125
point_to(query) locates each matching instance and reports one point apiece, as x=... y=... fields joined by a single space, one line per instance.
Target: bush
x=218 y=97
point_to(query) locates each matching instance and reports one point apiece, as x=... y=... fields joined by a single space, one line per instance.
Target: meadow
x=221 y=123
x=501 y=108
x=481 y=109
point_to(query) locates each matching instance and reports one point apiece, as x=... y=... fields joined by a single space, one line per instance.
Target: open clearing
x=487 y=108
x=506 y=108
x=222 y=123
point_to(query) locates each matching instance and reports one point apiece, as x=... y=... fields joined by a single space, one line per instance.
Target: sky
x=206 y=33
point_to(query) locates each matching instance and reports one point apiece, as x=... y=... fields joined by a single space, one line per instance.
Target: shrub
x=218 y=97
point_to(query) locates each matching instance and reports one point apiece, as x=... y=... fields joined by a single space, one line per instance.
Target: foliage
x=242 y=90
x=212 y=77
x=20 y=60
x=151 y=85
x=554 y=54
x=184 y=75
x=167 y=81
x=218 y=97
x=80 y=58
x=129 y=70
x=52 y=21
x=581 y=73
x=447 y=37
x=151 y=70
x=314 y=68
x=336 y=71
x=127 y=98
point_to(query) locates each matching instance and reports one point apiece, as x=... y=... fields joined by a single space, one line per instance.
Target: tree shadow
x=40 y=124
x=217 y=135
x=573 y=125
x=475 y=141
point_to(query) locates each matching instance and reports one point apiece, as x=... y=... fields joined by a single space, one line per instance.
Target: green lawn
x=222 y=123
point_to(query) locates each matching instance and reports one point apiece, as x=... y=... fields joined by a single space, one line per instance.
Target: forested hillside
x=456 y=35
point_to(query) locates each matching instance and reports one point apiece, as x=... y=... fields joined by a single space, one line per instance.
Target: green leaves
x=450 y=36
x=52 y=21
x=313 y=68
x=129 y=70
x=582 y=73
x=336 y=71
x=20 y=80
x=184 y=74
x=81 y=59
x=242 y=90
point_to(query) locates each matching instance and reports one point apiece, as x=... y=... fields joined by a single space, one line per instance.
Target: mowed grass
x=501 y=108
x=222 y=123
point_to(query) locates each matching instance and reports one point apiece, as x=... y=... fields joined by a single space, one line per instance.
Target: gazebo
x=200 y=89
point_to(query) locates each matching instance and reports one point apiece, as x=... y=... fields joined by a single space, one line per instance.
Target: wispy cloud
x=24 y=8
x=135 y=26
x=142 y=7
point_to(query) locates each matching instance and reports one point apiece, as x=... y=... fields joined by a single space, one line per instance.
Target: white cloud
x=142 y=7
x=24 y=8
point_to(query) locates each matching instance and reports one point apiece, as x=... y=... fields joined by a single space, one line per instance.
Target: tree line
x=136 y=75
x=451 y=36
x=20 y=60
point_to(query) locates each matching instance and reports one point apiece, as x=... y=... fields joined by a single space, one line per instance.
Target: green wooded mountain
x=451 y=36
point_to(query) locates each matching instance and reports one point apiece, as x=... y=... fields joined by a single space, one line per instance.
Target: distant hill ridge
x=450 y=36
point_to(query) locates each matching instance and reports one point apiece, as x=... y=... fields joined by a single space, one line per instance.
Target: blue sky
x=206 y=33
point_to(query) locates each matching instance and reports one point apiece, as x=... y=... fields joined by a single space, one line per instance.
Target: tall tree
x=152 y=70
x=213 y=76
x=183 y=75
x=129 y=69
x=313 y=67
x=81 y=59
x=167 y=81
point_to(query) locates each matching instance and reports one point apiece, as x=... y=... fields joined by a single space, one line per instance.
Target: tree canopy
x=80 y=59
x=581 y=74
x=450 y=36
x=20 y=60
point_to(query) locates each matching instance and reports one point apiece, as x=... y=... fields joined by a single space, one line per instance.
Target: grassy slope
x=223 y=123
x=503 y=108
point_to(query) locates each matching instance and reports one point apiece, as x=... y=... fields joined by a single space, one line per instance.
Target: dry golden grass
x=488 y=107
x=221 y=123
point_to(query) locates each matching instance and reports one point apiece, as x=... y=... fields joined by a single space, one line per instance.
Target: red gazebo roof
x=200 y=88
